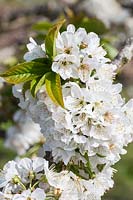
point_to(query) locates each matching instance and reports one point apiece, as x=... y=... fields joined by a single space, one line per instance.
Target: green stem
x=33 y=187
x=17 y=180
x=32 y=151
x=22 y=185
x=88 y=166
x=42 y=179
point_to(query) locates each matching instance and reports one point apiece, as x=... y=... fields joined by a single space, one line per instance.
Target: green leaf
x=26 y=86
x=33 y=86
x=40 y=84
x=111 y=51
x=53 y=87
x=45 y=61
x=36 y=85
x=42 y=26
x=51 y=38
x=90 y=24
x=25 y=72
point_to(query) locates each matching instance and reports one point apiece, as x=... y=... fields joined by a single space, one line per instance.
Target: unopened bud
x=32 y=175
x=16 y=179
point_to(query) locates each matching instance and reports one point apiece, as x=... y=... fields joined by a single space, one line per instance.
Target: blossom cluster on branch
x=83 y=117
x=23 y=134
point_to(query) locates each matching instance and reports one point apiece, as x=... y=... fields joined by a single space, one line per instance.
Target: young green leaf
x=53 y=87
x=25 y=72
x=26 y=86
x=110 y=49
x=39 y=84
x=44 y=60
x=33 y=86
x=51 y=38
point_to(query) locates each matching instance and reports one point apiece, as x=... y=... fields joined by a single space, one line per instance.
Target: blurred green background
x=9 y=10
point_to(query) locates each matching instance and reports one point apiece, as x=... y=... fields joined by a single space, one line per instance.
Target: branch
x=125 y=55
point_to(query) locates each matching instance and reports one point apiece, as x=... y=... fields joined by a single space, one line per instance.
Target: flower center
x=108 y=117
x=67 y=50
x=57 y=192
x=29 y=198
x=84 y=66
x=83 y=45
x=111 y=146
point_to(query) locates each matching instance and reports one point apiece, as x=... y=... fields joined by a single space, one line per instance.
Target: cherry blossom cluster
x=23 y=134
x=19 y=179
x=32 y=179
x=86 y=137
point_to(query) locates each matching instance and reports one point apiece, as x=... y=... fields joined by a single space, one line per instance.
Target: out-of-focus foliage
x=5 y=154
x=124 y=179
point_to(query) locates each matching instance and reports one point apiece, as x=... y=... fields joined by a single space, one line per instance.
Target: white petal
x=38 y=164
x=32 y=41
x=26 y=164
x=71 y=28
x=38 y=194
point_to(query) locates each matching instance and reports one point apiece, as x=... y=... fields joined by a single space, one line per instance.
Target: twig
x=125 y=55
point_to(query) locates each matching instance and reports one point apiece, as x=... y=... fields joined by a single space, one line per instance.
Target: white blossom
x=91 y=131
x=24 y=173
x=25 y=134
x=37 y=194
x=35 y=51
x=76 y=53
